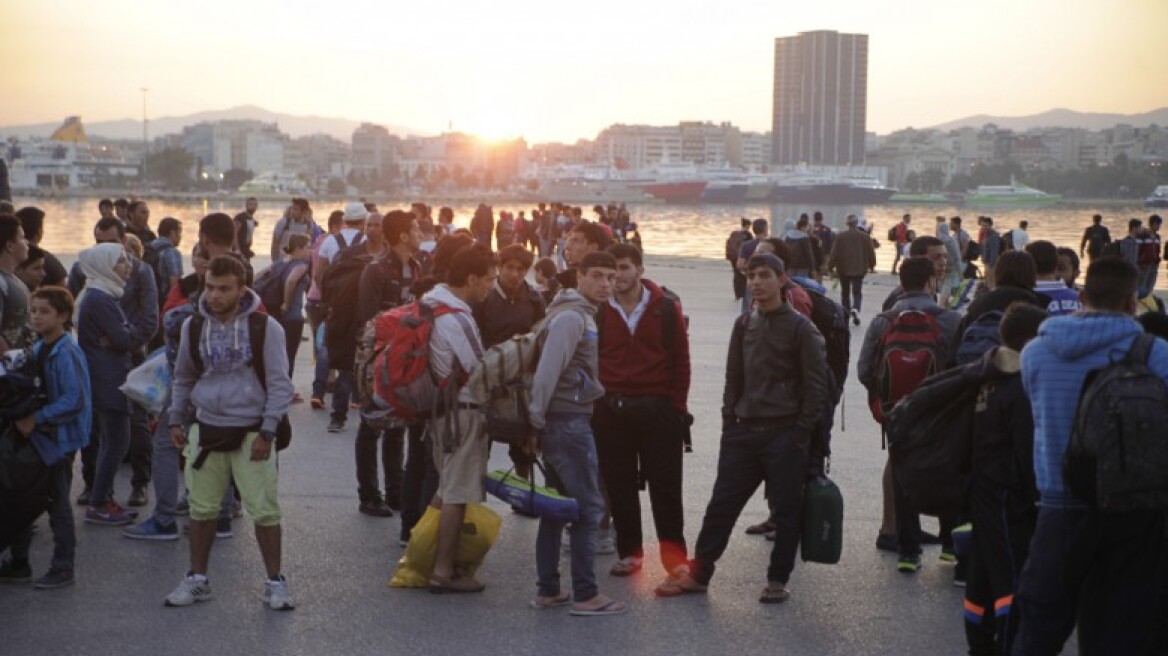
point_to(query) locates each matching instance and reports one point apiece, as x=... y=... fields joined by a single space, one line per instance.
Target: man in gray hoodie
x=235 y=420
x=563 y=389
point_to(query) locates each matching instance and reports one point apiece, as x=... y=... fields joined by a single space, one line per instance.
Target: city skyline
x=514 y=69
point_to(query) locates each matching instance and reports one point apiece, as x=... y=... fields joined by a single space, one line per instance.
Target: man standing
x=245 y=225
x=138 y=222
x=459 y=441
x=584 y=238
x=640 y=422
x=733 y=246
x=900 y=231
x=234 y=432
x=991 y=246
x=105 y=209
x=32 y=220
x=1102 y=568
x=1095 y=237
x=1019 y=237
x=761 y=229
x=776 y=387
x=852 y=257
x=1063 y=300
x=297 y=219
x=563 y=389
x=960 y=235
x=513 y=307
x=341 y=326
x=1149 y=256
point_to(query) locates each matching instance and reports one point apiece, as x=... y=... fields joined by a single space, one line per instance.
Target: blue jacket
x=102 y=316
x=1054 y=366
x=139 y=302
x=70 y=406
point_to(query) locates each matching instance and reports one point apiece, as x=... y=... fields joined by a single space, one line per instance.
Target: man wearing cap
x=776 y=388
x=341 y=330
x=351 y=234
x=852 y=256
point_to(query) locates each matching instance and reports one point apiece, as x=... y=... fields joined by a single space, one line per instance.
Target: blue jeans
x=569 y=452
x=319 y=353
x=851 y=292
x=114 y=428
x=748 y=456
x=1147 y=279
x=164 y=471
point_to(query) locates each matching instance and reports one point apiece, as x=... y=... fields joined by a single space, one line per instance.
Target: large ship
x=66 y=160
x=1014 y=194
x=586 y=186
x=1158 y=198
x=829 y=190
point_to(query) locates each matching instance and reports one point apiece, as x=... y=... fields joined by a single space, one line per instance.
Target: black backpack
x=1118 y=453
x=831 y=319
x=257 y=332
x=972 y=251
x=338 y=285
x=270 y=287
x=982 y=335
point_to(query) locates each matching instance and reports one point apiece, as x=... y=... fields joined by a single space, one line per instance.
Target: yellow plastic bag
x=479 y=531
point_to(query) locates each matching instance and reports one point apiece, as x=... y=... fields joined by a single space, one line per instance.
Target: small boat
x=1158 y=198
x=927 y=199
x=1012 y=195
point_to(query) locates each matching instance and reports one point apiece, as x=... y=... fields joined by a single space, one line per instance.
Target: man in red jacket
x=639 y=424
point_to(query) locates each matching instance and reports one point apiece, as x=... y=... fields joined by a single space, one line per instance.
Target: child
x=1002 y=494
x=32 y=270
x=67 y=411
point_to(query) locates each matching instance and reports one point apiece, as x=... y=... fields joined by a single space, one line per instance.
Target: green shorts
x=256 y=481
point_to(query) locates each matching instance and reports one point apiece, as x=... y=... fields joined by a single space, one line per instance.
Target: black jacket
x=1003 y=433
x=501 y=317
x=384 y=286
x=996 y=300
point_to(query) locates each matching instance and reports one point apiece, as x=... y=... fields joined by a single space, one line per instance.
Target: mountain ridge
x=1061 y=117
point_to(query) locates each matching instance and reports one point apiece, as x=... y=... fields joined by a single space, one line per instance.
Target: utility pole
x=145 y=137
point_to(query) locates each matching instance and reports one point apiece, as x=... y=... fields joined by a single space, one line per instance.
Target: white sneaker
x=191 y=589
x=277 y=595
x=605 y=545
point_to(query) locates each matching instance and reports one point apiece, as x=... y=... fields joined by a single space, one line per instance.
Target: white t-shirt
x=1021 y=238
x=330 y=247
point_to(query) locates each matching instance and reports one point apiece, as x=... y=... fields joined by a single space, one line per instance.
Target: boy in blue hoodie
x=1101 y=568
x=66 y=415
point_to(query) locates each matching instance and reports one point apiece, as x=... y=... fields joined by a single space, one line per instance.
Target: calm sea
x=684 y=230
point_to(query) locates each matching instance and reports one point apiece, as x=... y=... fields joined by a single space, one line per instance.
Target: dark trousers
x=632 y=444
x=342 y=390
x=747 y=457
x=293 y=331
x=739 y=281
x=908 y=522
x=141 y=446
x=1107 y=570
x=320 y=374
x=852 y=292
x=60 y=520
x=420 y=482
x=1001 y=543
x=365 y=451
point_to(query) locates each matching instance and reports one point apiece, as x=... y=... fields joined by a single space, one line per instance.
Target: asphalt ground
x=338 y=561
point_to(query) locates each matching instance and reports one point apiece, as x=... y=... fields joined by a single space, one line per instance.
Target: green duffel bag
x=823 y=521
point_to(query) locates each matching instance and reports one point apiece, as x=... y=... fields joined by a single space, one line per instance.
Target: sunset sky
x=562 y=71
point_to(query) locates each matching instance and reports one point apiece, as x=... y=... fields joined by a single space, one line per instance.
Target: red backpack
x=911 y=349
x=404 y=384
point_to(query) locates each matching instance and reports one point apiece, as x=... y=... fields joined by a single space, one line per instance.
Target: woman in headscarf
x=105 y=339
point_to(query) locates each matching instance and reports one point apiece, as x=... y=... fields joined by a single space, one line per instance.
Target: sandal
x=679 y=583
x=760 y=529
x=610 y=607
x=441 y=585
x=626 y=566
x=544 y=603
x=774 y=593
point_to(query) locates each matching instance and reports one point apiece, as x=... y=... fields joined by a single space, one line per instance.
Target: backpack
x=910 y=351
x=257 y=332
x=831 y=319
x=270 y=287
x=930 y=442
x=153 y=258
x=1149 y=251
x=1007 y=241
x=405 y=388
x=368 y=350
x=982 y=335
x=892 y=233
x=1118 y=452
x=502 y=385
x=734 y=244
x=338 y=286
x=972 y=251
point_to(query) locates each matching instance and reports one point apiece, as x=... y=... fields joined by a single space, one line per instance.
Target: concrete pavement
x=338 y=561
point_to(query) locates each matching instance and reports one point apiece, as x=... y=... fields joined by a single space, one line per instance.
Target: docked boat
x=1012 y=195
x=66 y=160
x=588 y=191
x=829 y=190
x=927 y=199
x=1158 y=198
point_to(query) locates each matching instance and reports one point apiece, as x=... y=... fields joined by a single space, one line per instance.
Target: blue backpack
x=979 y=337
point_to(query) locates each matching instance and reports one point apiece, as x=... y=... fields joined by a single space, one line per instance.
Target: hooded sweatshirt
x=1054 y=366
x=455 y=339
x=567 y=377
x=229 y=393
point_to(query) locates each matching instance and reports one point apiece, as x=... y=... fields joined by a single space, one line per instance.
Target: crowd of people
x=608 y=406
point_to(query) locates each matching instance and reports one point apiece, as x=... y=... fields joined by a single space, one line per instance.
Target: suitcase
x=823 y=522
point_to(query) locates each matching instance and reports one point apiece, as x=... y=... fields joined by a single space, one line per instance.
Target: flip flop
x=439 y=585
x=611 y=608
x=552 y=602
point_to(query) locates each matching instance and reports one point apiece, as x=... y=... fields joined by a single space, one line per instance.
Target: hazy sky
x=564 y=70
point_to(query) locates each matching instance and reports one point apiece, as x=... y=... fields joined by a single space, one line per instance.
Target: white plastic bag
x=148 y=384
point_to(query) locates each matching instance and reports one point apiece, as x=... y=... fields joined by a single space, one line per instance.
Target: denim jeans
x=365 y=453
x=569 y=452
x=748 y=456
x=319 y=352
x=420 y=481
x=342 y=390
x=1147 y=279
x=60 y=520
x=852 y=289
x=164 y=471
x=141 y=447
x=114 y=428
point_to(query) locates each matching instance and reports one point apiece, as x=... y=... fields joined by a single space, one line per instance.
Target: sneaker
x=605 y=545
x=83 y=498
x=855 y=317
x=375 y=507
x=959 y=574
x=317 y=403
x=948 y=555
x=152 y=529
x=109 y=515
x=908 y=563
x=887 y=542
x=13 y=573
x=277 y=595
x=138 y=497
x=191 y=589
x=55 y=578
x=336 y=425
x=223 y=528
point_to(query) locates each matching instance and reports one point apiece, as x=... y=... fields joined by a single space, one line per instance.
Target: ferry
x=1013 y=194
x=1159 y=197
x=66 y=160
x=830 y=190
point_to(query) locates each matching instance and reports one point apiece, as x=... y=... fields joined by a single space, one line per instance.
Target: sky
x=560 y=71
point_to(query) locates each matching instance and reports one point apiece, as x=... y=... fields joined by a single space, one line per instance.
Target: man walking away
x=733 y=246
x=245 y=225
x=852 y=257
x=1095 y=238
x=900 y=238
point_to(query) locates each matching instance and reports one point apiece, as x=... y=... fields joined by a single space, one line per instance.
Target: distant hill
x=1061 y=118
x=296 y=126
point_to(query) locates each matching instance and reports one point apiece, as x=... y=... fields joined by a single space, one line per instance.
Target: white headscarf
x=98 y=264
